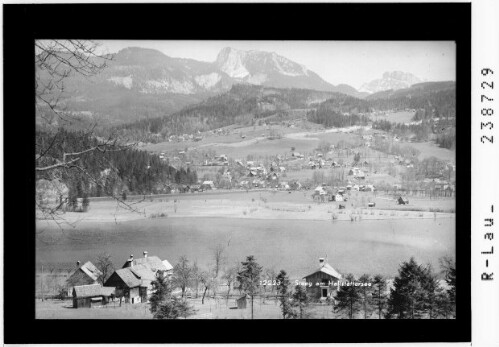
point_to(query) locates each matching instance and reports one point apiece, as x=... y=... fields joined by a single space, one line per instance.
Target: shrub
x=158 y=215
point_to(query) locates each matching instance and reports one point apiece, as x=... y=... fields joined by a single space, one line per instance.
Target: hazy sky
x=350 y=62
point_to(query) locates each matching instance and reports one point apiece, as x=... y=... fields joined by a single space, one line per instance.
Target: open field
x=430 y=149
x=395 y=117
x=257 y=145
x=211 y=309
x=262 y=204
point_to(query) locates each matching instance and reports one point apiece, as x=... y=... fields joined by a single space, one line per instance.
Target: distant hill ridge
x=247 y=103
x=144 y=83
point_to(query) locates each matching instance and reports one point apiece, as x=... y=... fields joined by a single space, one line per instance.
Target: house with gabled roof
x=153 y=262
x=83 y=275
x=322 y=280
x=128 y=285
x=134 y=280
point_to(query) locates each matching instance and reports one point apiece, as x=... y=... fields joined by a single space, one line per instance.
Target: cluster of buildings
x=325 y=192
x=220 y=160
x=185 y=137
x=131 y=284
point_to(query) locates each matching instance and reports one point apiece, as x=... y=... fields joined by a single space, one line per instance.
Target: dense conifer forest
x=109 y=172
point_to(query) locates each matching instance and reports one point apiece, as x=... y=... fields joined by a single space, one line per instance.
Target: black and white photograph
x=245 y=180
x=248 y=173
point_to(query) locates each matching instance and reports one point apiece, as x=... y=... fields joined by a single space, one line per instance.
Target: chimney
x=130 y=260
x=145 y=254
x=321 y=261
x=77 y=263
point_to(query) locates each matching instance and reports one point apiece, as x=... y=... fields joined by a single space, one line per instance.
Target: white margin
x=484 y=173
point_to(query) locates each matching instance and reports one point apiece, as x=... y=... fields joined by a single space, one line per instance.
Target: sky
x=350 y=62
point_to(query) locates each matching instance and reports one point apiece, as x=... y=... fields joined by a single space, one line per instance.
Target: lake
x=351 y=247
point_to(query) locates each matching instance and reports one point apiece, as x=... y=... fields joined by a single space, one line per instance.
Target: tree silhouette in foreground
x=416 y=293
x=164 y=305
x=348 y=298
x=249 y=279
x=300 y=301
x=283 y=284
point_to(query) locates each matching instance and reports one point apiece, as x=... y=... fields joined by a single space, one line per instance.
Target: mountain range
x=390 y=80
x=151 y=72
x=145 y=83
x=142 y=83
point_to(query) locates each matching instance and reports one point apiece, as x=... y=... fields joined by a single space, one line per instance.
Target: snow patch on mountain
x=169 y=85
x=390 y=80
x=257 y=79
x=126 y=82
x=232 y=63
x=208 y=81
x=286 y=67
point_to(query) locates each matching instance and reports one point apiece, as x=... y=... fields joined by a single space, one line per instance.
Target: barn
x=133 y=282
x=322 y=280
x=402 y=201
x=128 y=286
x=83 y=275
x=241 y=302
x=91 y=295
x=153 y=262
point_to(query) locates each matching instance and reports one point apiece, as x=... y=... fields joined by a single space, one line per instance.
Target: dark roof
x=128 y=277
x=92 y=290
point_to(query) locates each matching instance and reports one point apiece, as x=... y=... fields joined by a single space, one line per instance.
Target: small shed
x=91 y=295
x=338 y=197
x=208 y=185
x=402 y=201
x=241 y=302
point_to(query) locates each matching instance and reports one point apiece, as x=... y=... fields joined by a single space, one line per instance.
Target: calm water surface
x=360 y=247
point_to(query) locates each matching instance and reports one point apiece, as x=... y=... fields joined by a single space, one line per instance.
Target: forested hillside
x=437 y=96
x=242 y=101
x=105 y=173
x=245 y=104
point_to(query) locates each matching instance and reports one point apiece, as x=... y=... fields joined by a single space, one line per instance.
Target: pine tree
x=283 y=284
x=366 y=295
x=449 y=270
x=413 y=292
x=163 y=304
x=348 y=298
x=300 y=301
x=162 y=292
x=249 y=279
x=379 y=296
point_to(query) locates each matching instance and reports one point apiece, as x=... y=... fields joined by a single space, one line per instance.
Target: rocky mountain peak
x=390 y=80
